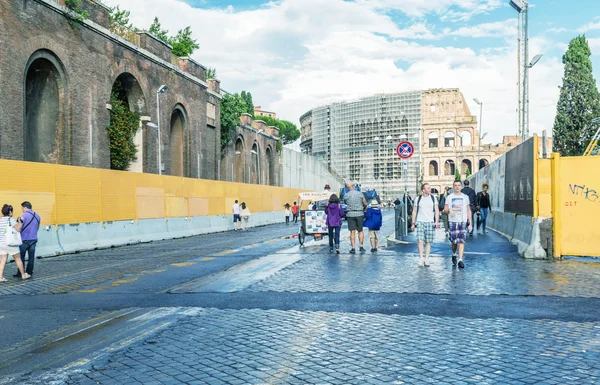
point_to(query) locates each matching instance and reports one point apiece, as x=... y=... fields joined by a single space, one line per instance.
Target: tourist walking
x=373 y=221
x=245 y=214
x=357 y=204
x=425 y=216
x=286 y=212
x=334 y=212
x=443 y=215
x=29 y=234
x=295 y=212
x=485 y=206
x=7 y=225
x=237 y=219
x=459 y=209
x=468 y=191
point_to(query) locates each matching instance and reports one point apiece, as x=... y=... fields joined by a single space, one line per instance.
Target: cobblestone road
x=275 y=347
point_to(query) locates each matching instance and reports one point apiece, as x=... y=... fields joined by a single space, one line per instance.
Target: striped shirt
x=4 y=221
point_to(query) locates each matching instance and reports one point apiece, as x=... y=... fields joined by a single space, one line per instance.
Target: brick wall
x=90 y=59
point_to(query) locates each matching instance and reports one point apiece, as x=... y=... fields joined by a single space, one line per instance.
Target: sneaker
x=454 y=259
x=337 y=250
x=331 y=249
x=352 y=251
x=471 y=234
x=461 y=264
x=427 y=263
x=18 y=275
x=485 y=231
x=362 y=249
x=420 y=264
x=373 y=250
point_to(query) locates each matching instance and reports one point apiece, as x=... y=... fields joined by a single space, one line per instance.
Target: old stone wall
x=56 y=83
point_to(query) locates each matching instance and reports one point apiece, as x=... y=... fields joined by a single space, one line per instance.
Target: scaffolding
x=358 y=140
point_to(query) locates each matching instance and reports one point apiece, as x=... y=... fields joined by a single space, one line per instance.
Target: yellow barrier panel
x=544 y=188
x=69 y=195
x=578 y=205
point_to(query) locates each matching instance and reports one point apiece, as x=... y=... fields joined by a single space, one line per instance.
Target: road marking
x=94 y=290
x=222 y=253
x=156 y=271
x=183 y=264
x=122 y=281
x=207 y=259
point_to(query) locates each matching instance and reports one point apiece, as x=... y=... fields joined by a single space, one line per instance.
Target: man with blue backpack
x=373 y=221
x=425 y=216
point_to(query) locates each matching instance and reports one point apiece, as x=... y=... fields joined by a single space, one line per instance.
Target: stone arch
x=449 y=139
x=483 y=163
x=177 y=142
x=46 y=136
x=433 y=140
x=435 y=191
x=127 y=89
x=255 y=173
x=449 y=167
x=271 y=167
x=433 y=168
x=466 y=164
x=466 y=138
x=240 y=163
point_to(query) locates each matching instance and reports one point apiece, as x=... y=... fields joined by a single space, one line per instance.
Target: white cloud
x=294 y=55
x=495 y=29
x=589 y=27
x=556 y=30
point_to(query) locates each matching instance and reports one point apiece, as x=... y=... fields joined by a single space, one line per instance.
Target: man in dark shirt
x=468 y=191
x=30 y=226
x=485 y=206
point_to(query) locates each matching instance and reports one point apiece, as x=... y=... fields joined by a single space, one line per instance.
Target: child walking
x=334 y=212
x=287 y=213
x=373 y=221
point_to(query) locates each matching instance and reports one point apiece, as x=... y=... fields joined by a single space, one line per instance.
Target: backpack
x=442 y=202
x=419 y=201
x=374 y=219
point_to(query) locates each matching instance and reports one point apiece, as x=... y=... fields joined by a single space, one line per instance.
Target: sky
x=294 y=55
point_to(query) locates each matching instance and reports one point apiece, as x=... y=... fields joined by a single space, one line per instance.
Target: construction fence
x=72 y=195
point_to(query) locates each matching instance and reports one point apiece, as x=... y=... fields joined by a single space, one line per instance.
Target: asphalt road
x=253 y=307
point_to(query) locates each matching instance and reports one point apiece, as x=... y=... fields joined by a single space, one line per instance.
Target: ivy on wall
x=121 y=130
x=80 y=14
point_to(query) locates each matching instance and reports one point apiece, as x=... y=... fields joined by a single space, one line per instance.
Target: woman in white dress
x=6 y=250
x=245 y=214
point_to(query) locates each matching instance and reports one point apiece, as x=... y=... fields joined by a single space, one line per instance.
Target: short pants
x=458 y=232
x=374 y=234
x=355 y=223
x=425 y=231
x=236 y=218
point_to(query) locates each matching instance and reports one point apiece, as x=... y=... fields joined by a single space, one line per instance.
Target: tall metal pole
x=479 y=145
x=525 y=129
x=158 y=124
x=519 y=68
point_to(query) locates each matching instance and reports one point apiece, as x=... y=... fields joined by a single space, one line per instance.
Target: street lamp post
x=234 y=160
x=152 y=125
x=480 y=132
x=162 y=89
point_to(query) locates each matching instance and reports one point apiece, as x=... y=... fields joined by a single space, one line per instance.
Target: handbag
x=13 y=237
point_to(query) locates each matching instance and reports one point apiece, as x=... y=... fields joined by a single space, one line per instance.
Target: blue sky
x=294 y=55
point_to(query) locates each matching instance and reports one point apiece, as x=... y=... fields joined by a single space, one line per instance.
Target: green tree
x=457 y=175
x=287 y=130
x=182 y=43
x=468 y=173
x=232 y=106
x=578 y=103
x=156 y=30
x=249 y=103
x=211 y=73
x=119 y=24
x=121 y=130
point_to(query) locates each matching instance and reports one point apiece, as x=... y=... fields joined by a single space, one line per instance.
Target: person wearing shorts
x=355 y=216
x=458 y=209
x=425 y=216
x=237 y=219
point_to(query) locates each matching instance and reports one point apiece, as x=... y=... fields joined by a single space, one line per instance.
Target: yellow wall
x=544 y=188
x=68 y=195
x=577 y=205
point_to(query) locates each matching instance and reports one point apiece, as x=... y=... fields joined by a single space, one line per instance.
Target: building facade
x=358 y=139
x=258 y=111
x=57 y=76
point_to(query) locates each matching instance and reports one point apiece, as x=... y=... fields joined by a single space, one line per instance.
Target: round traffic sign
x=405 y=150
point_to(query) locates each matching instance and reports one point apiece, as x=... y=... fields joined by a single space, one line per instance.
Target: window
x=433 y=140
x=448 y=139
x=433 y=168
x=449 y=167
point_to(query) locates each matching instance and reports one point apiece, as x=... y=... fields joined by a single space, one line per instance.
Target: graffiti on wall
x=581 y=190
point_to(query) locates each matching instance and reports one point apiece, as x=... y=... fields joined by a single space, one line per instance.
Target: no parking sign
x=405 y=150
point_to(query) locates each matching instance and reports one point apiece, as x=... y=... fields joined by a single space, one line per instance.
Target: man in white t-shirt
x=425 y=216
x=237 y=219
x=459 y=210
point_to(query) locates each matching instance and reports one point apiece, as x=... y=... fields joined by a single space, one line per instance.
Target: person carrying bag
x=10 y=240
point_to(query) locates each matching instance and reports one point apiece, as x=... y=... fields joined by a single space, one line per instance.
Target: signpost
x=405 y=150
